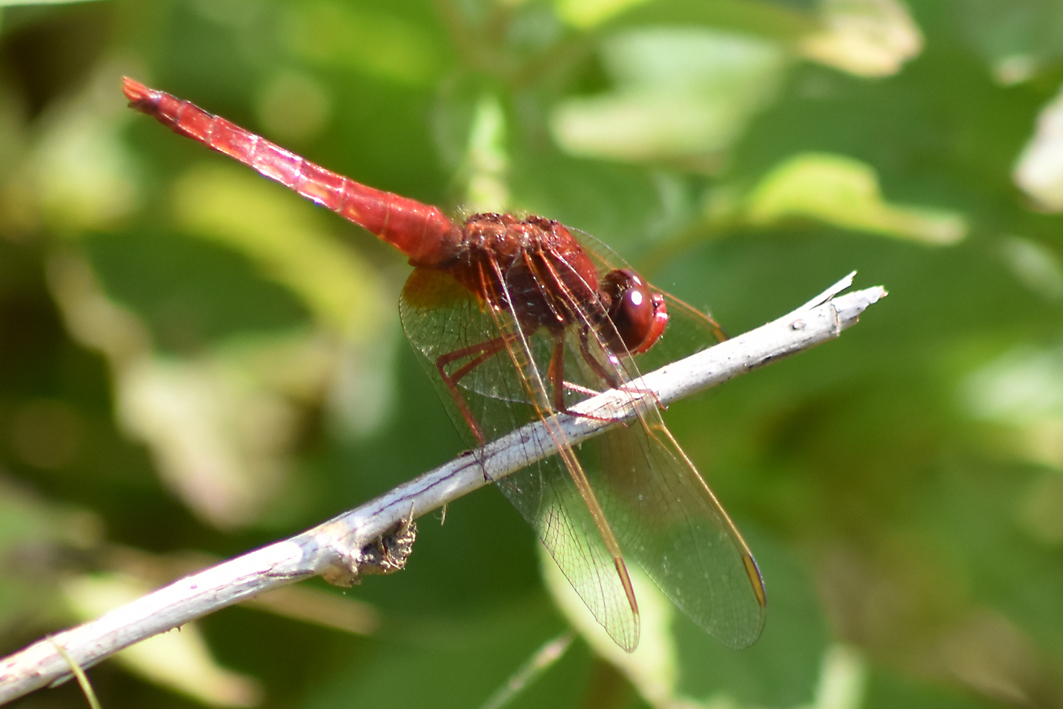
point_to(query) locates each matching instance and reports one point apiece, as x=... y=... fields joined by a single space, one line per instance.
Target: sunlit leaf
x=83 y=174
x=844 y=192
x=1039 y=171
x=679 y=93
x=587 y=13
x=653 y=667
x=864 y=37
x=286 y=239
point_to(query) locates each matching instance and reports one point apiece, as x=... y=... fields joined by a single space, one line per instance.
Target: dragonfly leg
x=605 y=374
x=556 y=375
x=480 y=353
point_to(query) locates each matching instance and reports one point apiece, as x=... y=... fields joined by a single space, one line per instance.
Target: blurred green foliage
x=194 y=360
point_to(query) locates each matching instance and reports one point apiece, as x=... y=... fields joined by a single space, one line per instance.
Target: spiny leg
x=556 y=375
x=605 y=374
x=480 y=353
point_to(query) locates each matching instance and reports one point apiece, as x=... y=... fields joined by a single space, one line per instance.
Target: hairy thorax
x=533 y=267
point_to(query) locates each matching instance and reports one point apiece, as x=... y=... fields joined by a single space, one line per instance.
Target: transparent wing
x=670 y=523
x=657 y=504
x=632 y=489
x=506 y=392
x=547 y=497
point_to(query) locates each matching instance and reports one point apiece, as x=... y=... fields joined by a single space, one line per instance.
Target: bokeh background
x=195 y=362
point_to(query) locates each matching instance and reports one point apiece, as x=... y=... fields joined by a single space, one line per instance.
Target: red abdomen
x=420 y=231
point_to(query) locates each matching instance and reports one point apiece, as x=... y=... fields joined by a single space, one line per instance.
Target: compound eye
x=638 y=315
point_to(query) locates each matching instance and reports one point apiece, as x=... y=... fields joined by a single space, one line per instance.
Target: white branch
x=375 y=537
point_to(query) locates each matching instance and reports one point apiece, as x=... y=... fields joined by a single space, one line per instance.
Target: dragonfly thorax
x=531 y=267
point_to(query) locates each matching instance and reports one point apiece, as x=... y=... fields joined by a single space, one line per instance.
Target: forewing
x=637 y=485
x=547 y=497
x=440 y=316
x=660 y=509
x=509 y=390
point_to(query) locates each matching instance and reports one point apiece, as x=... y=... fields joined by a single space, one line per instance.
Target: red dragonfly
x=516 y=320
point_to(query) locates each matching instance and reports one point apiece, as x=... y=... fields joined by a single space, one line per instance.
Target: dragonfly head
x=637 y=313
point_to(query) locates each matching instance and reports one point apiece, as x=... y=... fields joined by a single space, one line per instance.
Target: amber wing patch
x=430 y=288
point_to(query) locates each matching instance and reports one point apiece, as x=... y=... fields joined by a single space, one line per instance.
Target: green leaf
x=844 y=192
